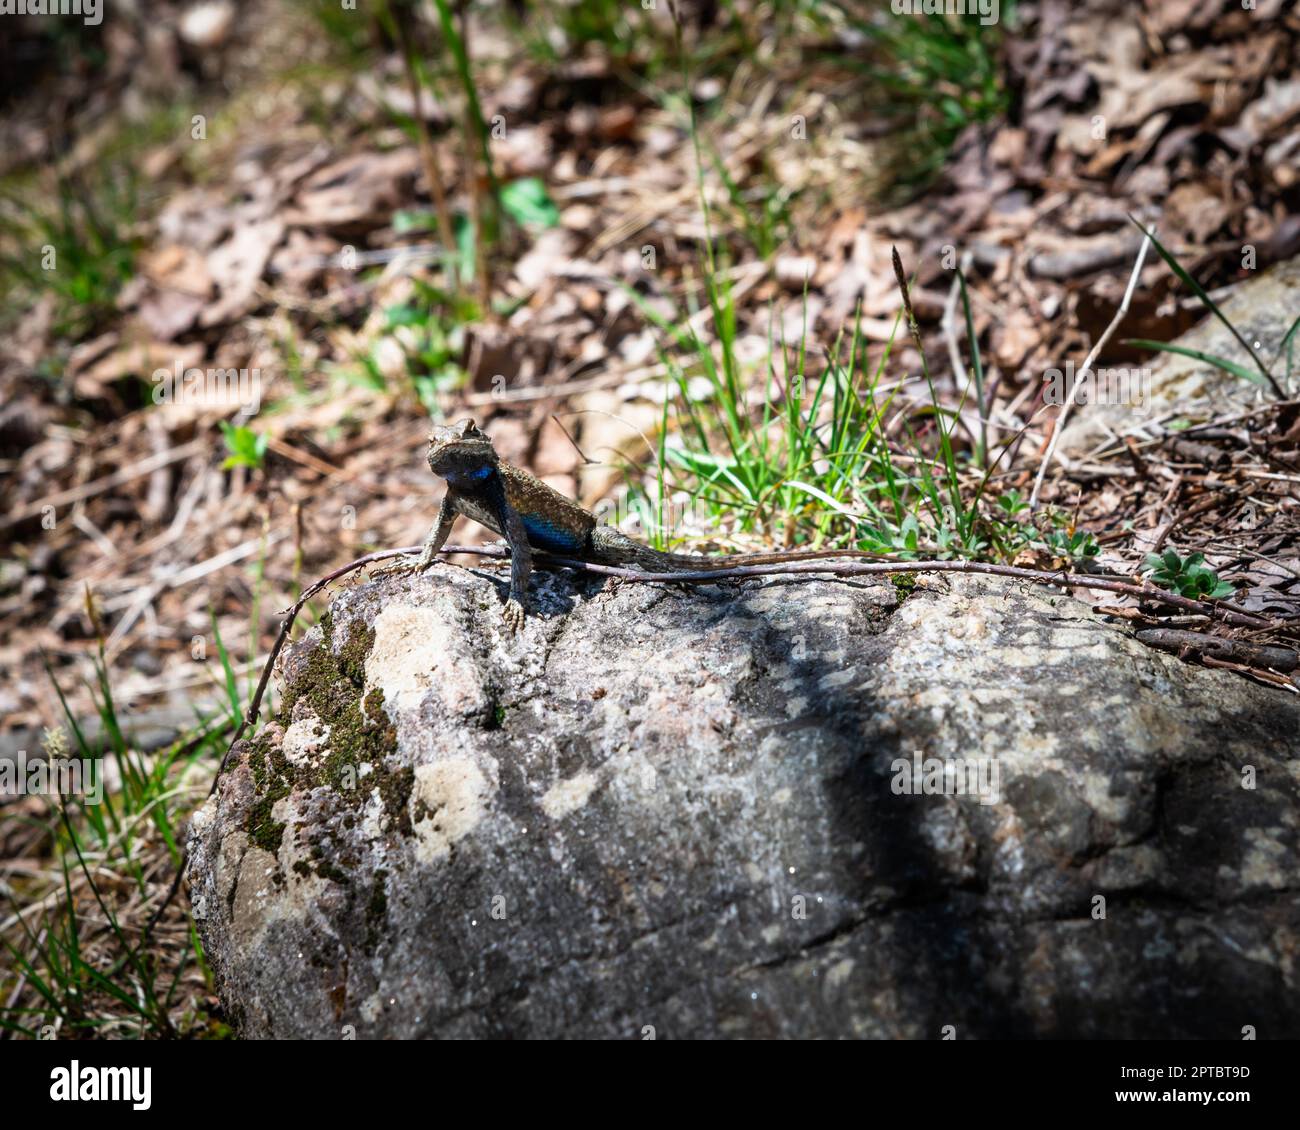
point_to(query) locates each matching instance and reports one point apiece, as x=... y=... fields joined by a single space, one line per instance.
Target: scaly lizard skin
x=531 y=515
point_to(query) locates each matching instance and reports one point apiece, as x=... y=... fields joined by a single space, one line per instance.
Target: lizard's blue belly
x=552 y=537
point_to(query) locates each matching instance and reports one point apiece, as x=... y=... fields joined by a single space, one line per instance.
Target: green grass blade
x=1199 y=291
x=1200 y=355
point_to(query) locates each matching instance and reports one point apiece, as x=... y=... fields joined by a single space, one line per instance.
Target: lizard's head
x=460 y=451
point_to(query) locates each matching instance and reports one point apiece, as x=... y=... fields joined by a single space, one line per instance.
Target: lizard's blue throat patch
x=478 y=475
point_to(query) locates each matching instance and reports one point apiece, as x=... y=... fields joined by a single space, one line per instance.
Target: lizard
x=532 y=515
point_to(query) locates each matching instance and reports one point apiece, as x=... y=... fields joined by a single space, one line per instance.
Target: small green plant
x=344 y=26
x=1012 y=503
x=624 y=31
x=81 y=955
x=904 y=584
x=1071 y=543
x=1189 y=576
x=902 y=539
x=82 y=963
x=82 y=249
x=1012 y=527
x=430 y=329
x=527 y=202
x=761 y=211
x=938 y=74
x=247 y=448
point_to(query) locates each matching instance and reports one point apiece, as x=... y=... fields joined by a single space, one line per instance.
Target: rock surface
x=674 y=811
x=1263 y=309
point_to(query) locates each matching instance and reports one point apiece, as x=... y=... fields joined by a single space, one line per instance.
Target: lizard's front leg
x=521 y=564
x=435 y=541
x=441 y=530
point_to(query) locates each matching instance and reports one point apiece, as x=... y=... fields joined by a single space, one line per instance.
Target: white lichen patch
x=447 y=802
x=372 y=818
x=1009 y=836
x=1265 y=862
x=1097 y=795
x=837 y=976
x=418 y=651
x=305 y=741
x=568 y=796
x=970 y=627
x=259 y=901
x=372 y=1008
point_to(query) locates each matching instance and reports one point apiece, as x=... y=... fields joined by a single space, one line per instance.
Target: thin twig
x=1218 y=609
x=1086 y=367
x=948 y=323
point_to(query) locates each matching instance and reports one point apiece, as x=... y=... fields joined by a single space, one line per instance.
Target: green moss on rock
x=263 y=830
x=360 y=733
x=904 y=584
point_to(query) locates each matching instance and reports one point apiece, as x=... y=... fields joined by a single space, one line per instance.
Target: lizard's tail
x=610 y=547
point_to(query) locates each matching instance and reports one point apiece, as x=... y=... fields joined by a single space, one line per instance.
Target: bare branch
x=1086 y=367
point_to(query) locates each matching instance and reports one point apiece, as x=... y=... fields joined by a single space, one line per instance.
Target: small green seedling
x=1013 y=502
x=246 y=447
x=1189 y=576
x=527 y=202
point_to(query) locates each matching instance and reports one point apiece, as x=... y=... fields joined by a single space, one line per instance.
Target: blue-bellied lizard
x=533 y=516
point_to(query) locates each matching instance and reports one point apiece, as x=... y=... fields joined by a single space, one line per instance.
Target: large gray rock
x=676 y=810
